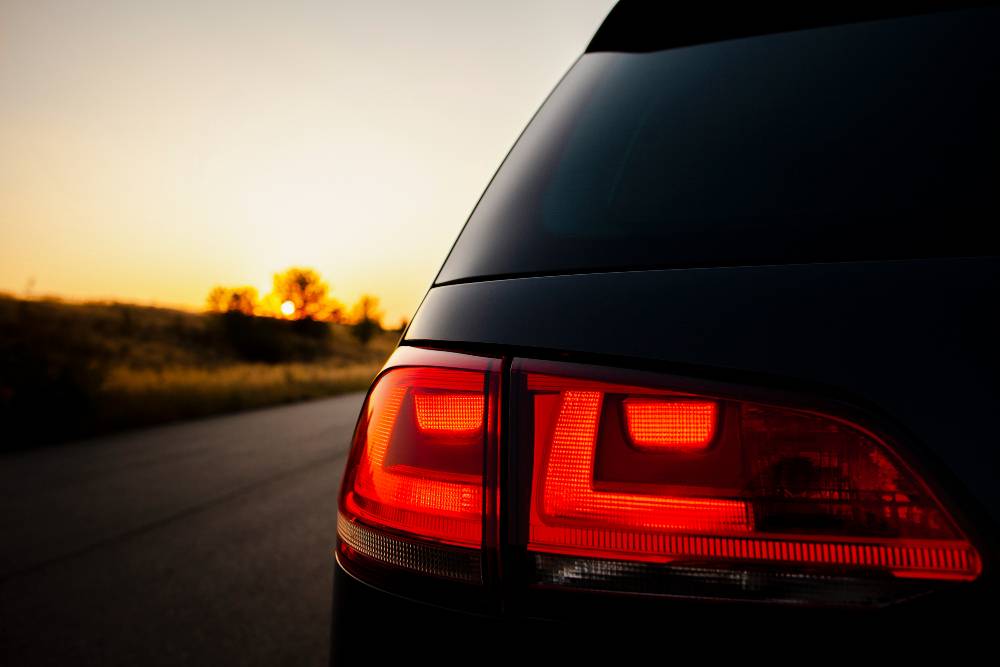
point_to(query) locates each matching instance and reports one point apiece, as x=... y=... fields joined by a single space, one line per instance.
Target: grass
x=133 y=396
x=72 y=370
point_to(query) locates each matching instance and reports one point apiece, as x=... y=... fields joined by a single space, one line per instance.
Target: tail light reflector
x=413 y=493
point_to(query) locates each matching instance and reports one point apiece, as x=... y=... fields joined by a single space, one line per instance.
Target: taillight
x=632 y=482
x=413 y=495
x=659 y=489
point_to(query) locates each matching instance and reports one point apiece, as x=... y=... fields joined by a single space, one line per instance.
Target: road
x=205 y=542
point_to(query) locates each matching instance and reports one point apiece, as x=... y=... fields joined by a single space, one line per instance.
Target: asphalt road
x=205 y=542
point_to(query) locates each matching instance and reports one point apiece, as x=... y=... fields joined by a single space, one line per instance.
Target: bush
x=272 y=340
x=42 y=398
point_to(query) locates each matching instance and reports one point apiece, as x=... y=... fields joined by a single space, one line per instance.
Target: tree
x=233 y=300
x=367 y=318
x=218 y=300
x=306 y=293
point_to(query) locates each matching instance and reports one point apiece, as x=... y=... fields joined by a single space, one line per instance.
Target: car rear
x=716 y=351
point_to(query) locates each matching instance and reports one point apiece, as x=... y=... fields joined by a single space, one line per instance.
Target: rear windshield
x=867 y=141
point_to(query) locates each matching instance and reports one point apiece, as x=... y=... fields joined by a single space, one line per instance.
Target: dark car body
x=811 y=211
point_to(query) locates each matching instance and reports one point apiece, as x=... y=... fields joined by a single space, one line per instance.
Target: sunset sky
x=151 y=150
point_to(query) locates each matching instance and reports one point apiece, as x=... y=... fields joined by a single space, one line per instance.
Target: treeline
x=297 y=295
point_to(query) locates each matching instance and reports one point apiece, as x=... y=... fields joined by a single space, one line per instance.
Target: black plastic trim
x=638 y=26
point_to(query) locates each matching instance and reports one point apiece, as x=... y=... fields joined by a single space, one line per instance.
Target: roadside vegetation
x=72 y=370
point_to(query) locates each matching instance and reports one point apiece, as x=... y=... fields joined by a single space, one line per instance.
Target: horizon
x=153 y=152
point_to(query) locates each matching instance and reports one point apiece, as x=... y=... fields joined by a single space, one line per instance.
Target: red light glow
x=668 y=424
x=450 y=413
x=429 y=497
x=569 y=490
x=807 y=489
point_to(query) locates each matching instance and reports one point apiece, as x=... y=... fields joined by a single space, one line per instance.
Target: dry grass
x=131 y=397
x=72 y=370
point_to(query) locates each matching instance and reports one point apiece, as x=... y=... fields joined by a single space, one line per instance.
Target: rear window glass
x=867 y=141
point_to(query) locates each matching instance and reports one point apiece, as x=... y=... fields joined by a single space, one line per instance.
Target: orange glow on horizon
x=154 y=150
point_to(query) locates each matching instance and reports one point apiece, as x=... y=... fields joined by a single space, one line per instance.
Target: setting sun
x=287 y=308
x=240 y=140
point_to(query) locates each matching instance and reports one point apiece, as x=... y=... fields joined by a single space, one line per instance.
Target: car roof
x=644 y=25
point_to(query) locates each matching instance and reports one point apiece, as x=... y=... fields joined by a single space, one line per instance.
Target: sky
x=151 y=150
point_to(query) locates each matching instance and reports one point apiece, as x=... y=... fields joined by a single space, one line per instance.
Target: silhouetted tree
x=308 y=294
x=367 y=318
x=233 y=300
x=217 y=300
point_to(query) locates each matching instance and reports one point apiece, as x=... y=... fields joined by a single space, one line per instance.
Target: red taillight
x=414 y=483
x=711 y=485
x=582 y=512
x=632 y=483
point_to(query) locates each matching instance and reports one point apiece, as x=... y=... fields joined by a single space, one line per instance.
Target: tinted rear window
x=868 y=141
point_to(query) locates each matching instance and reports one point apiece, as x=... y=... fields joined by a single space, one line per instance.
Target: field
x=73 y=370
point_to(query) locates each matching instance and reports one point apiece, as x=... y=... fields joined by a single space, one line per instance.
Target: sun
x=287 y=308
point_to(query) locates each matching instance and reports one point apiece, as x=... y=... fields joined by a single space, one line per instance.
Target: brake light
x=413 y=493
x=642 y=488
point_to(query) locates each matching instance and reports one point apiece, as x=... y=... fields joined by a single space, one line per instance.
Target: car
x=713 y=364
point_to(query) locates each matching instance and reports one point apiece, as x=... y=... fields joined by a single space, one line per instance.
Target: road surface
x=205 y=542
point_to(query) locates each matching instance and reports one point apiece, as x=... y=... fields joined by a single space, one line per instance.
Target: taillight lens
x=630 y=482
x=413 y=493
x=657 y=489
